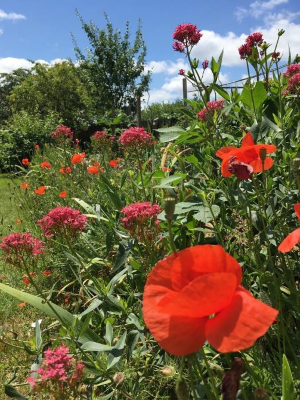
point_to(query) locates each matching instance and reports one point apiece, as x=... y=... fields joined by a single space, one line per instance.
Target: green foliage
x=113 y=68
x=20 y=134
x=166 y=112
x=54 y=89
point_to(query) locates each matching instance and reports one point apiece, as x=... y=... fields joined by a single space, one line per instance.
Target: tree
x=113 y=67
x=57 y=89
x=7 y=82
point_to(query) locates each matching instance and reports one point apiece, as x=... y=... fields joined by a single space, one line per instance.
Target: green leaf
x=93 y=346
x=38 y=335
x=52 y=310
x=87 y=207
x=94 y=304
x=205 y=215
x=175 y=179
x=259 y=94
x=11 y=392
x=170 y=134
x=214 y=65
x=221 y=92
x=288 y=391
x=117 y=351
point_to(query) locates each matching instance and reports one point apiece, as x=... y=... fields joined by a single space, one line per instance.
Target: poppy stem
x=171 y=237
x=210 y=374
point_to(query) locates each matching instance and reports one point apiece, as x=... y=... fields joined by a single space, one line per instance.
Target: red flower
x=77 y=158
x=115 y=163
x=22 y=305
x=181 y=72
x=41 y=190
x=188 y=34
x=65 y=170
x=46 y=164
x=93 y=169
x=36 y=146
x=26 y=281
x=63 y=194
x=248 y=153
x=62 y=132
x=24 y=185
x=239 y=169
x=195 y=295
x=46 y=272
x=294 y=237
x=18 y=222
x=25 y=161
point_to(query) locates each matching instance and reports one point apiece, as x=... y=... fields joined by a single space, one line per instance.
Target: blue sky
x=40 y=30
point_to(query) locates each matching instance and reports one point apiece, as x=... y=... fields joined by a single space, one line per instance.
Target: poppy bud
x=182 y=390
x=119 y=378
x=170 y=207
x=168 y=371
x=281 y=32
x=261 y=394
x=296 y=162
x=263 y=154
x=231 y=380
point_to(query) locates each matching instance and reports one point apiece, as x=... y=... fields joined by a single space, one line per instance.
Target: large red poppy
x=195 y=295
x=294 y=237
x=248 y=153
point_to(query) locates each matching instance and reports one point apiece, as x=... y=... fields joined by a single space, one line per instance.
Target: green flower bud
x=281 y=32
x=170 y=207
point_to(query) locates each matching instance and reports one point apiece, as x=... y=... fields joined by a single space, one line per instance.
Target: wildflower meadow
x=163 y=263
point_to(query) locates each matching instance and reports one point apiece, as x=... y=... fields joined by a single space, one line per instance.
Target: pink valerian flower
x=20 y=247
x=245 y=51
x=135 y=137
x=241 y=170
x=59 y=373
x=205 y=64
x=141 y=221
x=293 y=85
x=62 y=132
x=181 y=72
x=276 y=55
x=187 y=34
x=177 y=46
x=210 y=108
x=63 y=221
x=100 y=136
x=255 y=39
x=292 y=70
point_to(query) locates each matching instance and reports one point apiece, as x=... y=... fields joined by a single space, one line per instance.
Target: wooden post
x=184 y=91
x=138 y=111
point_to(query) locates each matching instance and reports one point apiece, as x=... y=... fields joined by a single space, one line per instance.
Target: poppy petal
x=257 y=164
x=248 y=140
x=297 y=210
x=205 y=295
x=240 y=324
x=179 y=269
x=177 y=335
x=221 y=153
x=224 y=168
x=290 y=241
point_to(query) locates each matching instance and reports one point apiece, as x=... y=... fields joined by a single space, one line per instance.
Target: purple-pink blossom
x=255 y=39
x=139 y=214
x=188 y=34
x=63 y=221
x=205 y=64
x=62 y=132
x=292 y=70
x=245 y=51
x=19 y=247
x=210 y=108
x=135 y=137
x=177 y=46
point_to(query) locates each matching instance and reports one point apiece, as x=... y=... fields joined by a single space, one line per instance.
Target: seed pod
x=261 y=394
x=182 y=390
x=170 y=207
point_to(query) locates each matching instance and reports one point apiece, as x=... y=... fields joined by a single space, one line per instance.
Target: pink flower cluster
x=135 y=137
x=186 y=35
x=20 y=246
x=100 y=136
x=62 y=132
x=255 y=39
x=292 y=70
x=139 y=214
x=210 y=108
x=293 y=85
x=60 y=369
x=205 y=64
x=63 y=221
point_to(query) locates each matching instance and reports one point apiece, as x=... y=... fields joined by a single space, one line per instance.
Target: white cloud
x=10 y=16
x=172 y=88
x=258 y=8
x=8 y=64
x=166 y=67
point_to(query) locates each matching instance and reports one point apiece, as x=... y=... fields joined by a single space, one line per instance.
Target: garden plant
x=164 y=265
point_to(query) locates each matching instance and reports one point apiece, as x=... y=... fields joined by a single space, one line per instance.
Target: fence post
x=138 y=111
x=184 y=91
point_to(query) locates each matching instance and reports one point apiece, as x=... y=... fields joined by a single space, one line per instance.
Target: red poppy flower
x=115 y=163
x=195 y=295
x=63 y=194
x=25 y=161
x=65 y=170
x=77 y=158
x=26 y=281
x=41 y=190
x=36 y=146
x=46 y=164
x=46 y=272
x=18 y=221
x=24 y=185
x=93 y=170
x=22 y=305
x=293 y=238
x=248 y=153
